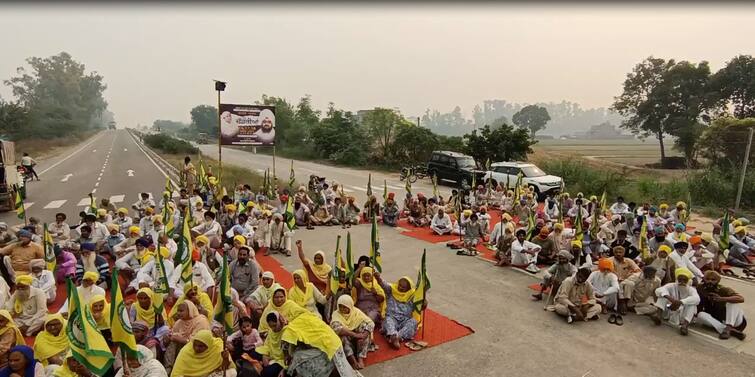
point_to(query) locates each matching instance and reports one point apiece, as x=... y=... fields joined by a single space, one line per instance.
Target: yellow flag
x=88 y=346
x=185 y=248
x=49 y=246
x=120 y=325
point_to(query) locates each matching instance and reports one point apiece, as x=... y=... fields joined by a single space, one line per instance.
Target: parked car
x=453 y=166
x=506 y=173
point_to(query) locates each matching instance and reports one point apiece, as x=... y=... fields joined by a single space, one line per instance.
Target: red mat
x=439 y=329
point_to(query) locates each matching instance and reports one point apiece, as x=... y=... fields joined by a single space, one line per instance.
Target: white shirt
x=573 y=212
x=99 y=231
x=27 y=161
x=46 y=282
x=604 y=283
x=200 y=275
x=685 y=293
x=683 y=261
x=619 y=208
x=444 y=222
x=209 y=229
x=148 y=272
x=84 y=295
x=124 y=223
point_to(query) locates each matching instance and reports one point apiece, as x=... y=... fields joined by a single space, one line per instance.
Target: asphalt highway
x=109 y=165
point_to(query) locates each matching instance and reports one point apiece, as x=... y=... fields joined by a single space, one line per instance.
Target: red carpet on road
x=439 y=330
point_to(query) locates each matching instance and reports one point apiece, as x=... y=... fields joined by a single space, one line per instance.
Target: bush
x=588 y=181
x=718 y=187
x=167 y=144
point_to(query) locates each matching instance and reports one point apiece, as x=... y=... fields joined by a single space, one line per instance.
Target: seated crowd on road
x=317 y=328
x=600 y=259
x=604 y=259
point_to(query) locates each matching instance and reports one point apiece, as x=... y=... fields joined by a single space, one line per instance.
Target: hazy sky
x=158 y=61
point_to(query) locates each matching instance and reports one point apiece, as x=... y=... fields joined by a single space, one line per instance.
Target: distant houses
x=602 y=131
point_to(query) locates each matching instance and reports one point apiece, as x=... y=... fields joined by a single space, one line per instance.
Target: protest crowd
x=174 y=287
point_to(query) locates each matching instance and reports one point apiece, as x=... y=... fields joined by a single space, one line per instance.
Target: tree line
x=379 y=136
x=53 y=97
x=685 y=100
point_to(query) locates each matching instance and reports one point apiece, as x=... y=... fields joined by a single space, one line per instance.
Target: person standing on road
x=28 y=163
x=189 y=174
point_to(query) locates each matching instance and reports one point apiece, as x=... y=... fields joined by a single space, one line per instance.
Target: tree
x=413 y=144
x=736 y=85
x=204 y=118
x=532 y=117
x=502 y=144
x=60 y=97
x=339 y=138
x=637 y=103
x=723 y=143
x=381 y=124
x=13 y=120
x=168 y=126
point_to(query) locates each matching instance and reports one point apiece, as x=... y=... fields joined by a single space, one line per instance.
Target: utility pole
x=744 y=170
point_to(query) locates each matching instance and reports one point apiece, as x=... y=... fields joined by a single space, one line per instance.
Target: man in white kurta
x=43 y=279
x=524 y=253
x=677 y=301
x=441 y=223
x=605 y=284
x=28 y=306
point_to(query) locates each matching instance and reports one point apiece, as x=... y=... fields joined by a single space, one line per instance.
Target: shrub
x=167 y=144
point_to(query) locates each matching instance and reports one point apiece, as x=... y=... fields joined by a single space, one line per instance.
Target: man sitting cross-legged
x=575 y=298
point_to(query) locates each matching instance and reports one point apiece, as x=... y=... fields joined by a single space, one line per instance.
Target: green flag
x=375 y=258
x=20 y=209
x=49 y=246
x=423 y=285
x=88 y=346
x=369 y=184
x=289 y=216
x=92 y=204
x=349 y=257
x=338 y=269
x=531 y=225
x=292 y=176
x=183 y=259
x=224 y=305
x=161 y=285
x=578 y=232
x=723 y=240
x=408 y=185
x=120 y=324
x=385 y=190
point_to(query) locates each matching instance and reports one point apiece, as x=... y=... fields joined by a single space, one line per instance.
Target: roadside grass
x=43 y=148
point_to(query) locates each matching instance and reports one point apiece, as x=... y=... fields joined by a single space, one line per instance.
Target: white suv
x=506 y=172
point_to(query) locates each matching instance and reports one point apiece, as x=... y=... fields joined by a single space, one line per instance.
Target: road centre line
x=55 y=204
x=153 y=161
x=71 y=155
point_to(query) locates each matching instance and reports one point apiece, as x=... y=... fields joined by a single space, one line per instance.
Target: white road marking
x=66 y=177
x=117 y=198
x=94 y=190
x=83 y=202
x=359 y=188
x=130 y=173
x=261 y=170
x=347 y=190
x=98 y=178
x=27 y=205
x=125 y=149
x=55 y=204
x=70 y=155
x=93 y=151
x=153 y=162
x=97 y=184
x=396 y=187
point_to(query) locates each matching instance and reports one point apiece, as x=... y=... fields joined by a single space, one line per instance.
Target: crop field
x=631 y=152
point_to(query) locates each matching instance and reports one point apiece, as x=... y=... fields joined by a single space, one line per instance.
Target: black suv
x=453 y=166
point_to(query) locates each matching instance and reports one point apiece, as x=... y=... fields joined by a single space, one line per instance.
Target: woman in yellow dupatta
x=10 y=336
x=204 y=356
x=281 y=304
x=200 y=299
x=317 y=270
x=188 y=324
x=51 y=344
x=368 y=296
x=305 y=293
x=321 y=351
x=355 y=329
x=401 y=321
x=100 y=311
x=144 y=310
x=273 y=357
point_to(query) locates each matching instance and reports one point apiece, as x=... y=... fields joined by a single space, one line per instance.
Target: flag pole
x=219 y=87
x=424 y=324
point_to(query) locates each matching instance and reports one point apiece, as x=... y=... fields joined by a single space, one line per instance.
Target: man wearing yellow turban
x=677 y=300
x=28 y=305
x=123 y=220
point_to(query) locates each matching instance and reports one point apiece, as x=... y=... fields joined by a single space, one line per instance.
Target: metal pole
x=744 y=170
x=275 y=176
x=220 y=145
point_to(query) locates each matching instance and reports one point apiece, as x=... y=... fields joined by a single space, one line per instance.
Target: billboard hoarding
x=247 y=124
